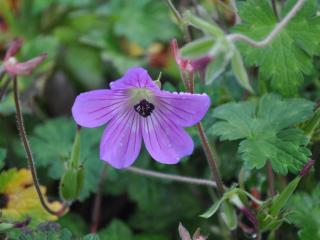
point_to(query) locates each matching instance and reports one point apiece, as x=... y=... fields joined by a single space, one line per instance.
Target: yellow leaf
x=20 y=199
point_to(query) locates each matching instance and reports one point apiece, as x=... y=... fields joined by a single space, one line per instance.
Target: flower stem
x=210 y=158
x=27 y=149
x=278 y=28
x=270 y=180
x=171 y=177
x=206 y=146
x=97 y=201
x=180 y=20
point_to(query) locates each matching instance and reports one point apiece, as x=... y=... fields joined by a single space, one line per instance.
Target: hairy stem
x=278 y=28
x=204 y=140
x=24 y=139
x=271 y=190
x=172 y=177
x=97 y=202
x=180 y=20
x=210 y=158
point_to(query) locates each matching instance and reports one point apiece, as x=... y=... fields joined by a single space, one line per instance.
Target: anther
x=144 y=108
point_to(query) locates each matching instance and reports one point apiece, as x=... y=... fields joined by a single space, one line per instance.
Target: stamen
x=3 y=200
x=144 y=108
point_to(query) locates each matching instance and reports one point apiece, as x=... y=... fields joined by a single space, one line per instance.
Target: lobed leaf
x=289 y=56
x=266 y=128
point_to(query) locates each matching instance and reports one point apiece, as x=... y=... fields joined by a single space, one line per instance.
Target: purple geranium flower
x=135 y=108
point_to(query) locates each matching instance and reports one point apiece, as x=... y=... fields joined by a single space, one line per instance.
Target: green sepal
x=312 y=125
x=75 y=153
x=5 y=227
x=229 y=216
x=281 y=200
x=214 y=208
x=197 y=48
x=71 y=183
x=240 y=71
x=209 y=28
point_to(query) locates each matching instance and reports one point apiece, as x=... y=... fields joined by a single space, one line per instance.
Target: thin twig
x=27 y=149
x=97 y=201
x=264 y=42
x=172 y=177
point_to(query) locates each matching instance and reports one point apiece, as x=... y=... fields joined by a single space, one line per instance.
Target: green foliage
x=91 y=237
x=74 y=223
x=117 y=230
x=289 y=56
x=305 y=212
x=47 y=139
x=89 y=42
x=85 y=63
x=267 y=127
x=3 y=153
x=47 y=231
x=139 y=21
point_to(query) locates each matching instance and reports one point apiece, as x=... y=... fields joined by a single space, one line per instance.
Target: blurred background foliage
x=90 y=43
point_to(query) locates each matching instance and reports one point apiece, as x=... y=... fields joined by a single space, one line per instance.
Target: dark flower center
x=144 y=108
x=3 y=200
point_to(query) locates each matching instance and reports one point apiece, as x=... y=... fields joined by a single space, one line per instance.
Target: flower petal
x=95 y=108
x=166 y=142
x=121 y=141
x=25 y=68
x=136 y=77
x=13 y=48
x=184 y=109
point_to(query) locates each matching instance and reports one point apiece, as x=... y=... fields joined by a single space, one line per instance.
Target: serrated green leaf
x=288 y=57
x=305 y=212
x=197 y=48
x=267 y=129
